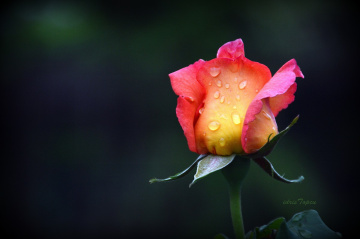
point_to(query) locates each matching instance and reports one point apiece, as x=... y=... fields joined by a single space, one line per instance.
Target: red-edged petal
x=191 y=94
x=184 y=81
x=232 y=49
x=185 y=111
x=279 y=90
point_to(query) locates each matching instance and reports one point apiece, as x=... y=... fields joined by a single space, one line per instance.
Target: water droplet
x=227 y=86
x=222 y=99
x=256 y=90
x=214 y=125
x=228 y=102
x=222 y=116
x=214 y=71
x=216 y=94
x=189 y=98
x=242 y=85
x=201 y=110
x=267 y=116
x=305 y=233
x=210 y=83
x=219 y=83
x=234 y=107
x=222 y=142
x=235 y=79
x=235 y=117
x=238 y=97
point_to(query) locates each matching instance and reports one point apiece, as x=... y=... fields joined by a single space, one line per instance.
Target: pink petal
x=184 y=81
x=231 y=50
x=185 y=111
x=284 y=77
x=191 y=94
x=281 y=102
x=279 y=90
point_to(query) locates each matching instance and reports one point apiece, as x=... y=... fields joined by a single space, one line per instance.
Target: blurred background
x=89 y=116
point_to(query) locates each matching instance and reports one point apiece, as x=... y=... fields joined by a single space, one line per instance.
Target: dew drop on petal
x=189 y=98
x=235 y=79
x=201 y=110
x=214 y=125
x=222 y=142
x=267 y=116
x=222 y=99
x=242 y=85
x=219 y=83
x=238 y=97
x=216 y=94
x=235 y=117
x=222 y=116
x=214 y=71
x=227 y=86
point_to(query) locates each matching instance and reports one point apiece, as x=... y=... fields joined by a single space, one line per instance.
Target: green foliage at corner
x=303 y=225
x=306 y=224
x=266 y=231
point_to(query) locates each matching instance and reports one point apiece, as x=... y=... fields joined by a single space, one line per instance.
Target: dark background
x=89 y=116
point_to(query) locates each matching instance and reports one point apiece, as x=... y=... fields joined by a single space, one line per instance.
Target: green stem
x=234 y=174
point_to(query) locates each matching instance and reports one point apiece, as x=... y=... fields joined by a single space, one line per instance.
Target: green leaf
x=266 y=231
x=270 y=145
x=250 y=235
x=285 y=233
x=266 y=165
x=220 y=236
x=181 y=174
x=211 y=163
x=306 y=224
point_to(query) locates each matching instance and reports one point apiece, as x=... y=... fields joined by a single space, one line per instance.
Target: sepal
x=210 y=164
x=266 y=165
x=181 y=174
